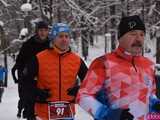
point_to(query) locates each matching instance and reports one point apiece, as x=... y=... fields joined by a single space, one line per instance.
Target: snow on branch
x=152 y=7
x=104 y=6
x=156 y=11
x=74 y=6
x=1 y=23
x=157 y=23
x=158 y=14
x=26 y=7
x=111 y=17
x=4 y=3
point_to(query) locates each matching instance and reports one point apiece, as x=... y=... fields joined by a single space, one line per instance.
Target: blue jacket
x=3 y=72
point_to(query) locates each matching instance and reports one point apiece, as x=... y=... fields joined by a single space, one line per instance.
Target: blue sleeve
x=154 y=104
x=99 y=107
x=105 y=112
x=5 y=71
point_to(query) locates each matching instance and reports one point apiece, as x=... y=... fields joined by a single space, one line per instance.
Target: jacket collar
x=38 y=39
x=59 y=51
x=124 y=54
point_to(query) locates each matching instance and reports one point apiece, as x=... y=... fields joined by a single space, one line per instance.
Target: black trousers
x=1 y=89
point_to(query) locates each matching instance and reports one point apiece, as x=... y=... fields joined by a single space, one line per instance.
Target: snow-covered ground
x=8 y=107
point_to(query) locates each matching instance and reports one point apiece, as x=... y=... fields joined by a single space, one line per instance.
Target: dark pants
x=21 y=101
x=21 y=95
x=25 y=107
x=1 y=89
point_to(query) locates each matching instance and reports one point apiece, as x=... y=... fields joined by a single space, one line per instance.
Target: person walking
x=38 y=42
x=3 y=73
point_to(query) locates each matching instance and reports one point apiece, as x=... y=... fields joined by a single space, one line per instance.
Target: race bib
x=59 y=110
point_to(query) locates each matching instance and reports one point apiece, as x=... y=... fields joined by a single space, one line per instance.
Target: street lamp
x=107 y=43
x=1 y=27
x=26 y=8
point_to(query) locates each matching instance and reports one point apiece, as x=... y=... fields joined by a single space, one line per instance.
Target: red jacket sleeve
x=92 y=83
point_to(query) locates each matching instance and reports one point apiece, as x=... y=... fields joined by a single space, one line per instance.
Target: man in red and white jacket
x=119 y=85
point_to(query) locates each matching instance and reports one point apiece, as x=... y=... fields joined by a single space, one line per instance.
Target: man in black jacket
x=30 y=48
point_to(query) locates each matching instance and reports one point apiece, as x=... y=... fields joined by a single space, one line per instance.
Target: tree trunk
x=158 y=51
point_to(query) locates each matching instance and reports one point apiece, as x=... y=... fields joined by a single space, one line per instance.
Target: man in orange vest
x=56 y=70
x=120 y=85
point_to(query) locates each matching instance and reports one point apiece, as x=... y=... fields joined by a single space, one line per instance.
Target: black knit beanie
x=130 y=23
x=41 y=24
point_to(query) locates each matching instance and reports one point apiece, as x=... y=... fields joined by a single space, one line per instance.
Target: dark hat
x=130 y=23
x=41 y=24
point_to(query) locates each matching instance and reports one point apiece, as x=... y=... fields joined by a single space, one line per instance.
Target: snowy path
x=8 y=107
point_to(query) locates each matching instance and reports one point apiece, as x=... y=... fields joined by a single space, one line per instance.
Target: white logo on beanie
x=61 y=24
x=61 y=29
x=132 y=24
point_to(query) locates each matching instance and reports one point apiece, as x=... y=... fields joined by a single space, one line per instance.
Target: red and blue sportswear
x=128 y=82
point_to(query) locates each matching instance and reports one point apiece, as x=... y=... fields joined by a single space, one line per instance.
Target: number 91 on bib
x=60 y=110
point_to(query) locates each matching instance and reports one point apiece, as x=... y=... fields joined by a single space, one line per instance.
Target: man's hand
x=42 y=95
x=126 y=115
x=13 y=74
x=154 y=104
x=156 y=107
x=73 y=91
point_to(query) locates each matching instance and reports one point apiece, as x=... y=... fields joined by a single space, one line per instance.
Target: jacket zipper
x=134 y=64
x=60 y=78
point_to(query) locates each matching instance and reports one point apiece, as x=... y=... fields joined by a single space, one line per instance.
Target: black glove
x=156 y=107
x=126 y=115
x=73 y=91
x=113 y=114
x=13 y=74
x=42 y=95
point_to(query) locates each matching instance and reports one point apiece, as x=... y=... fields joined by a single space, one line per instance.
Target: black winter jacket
x=29 y=49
